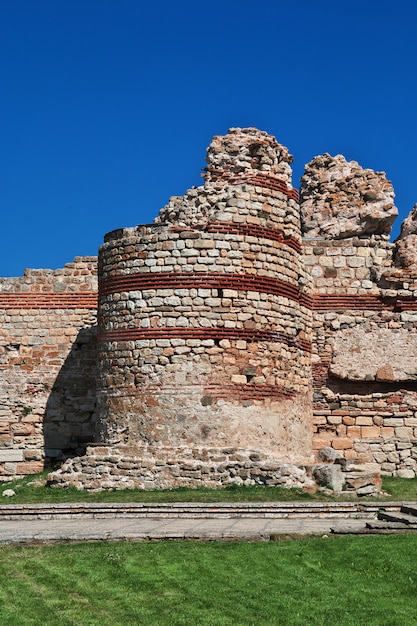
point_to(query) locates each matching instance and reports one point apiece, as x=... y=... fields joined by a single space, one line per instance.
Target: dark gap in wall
x=367 y=388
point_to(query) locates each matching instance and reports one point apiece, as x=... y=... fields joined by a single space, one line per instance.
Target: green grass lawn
x=27 y=492
x=333 y=581
x=338 y=581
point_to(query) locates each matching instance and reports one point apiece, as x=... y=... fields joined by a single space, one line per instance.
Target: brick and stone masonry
x=48 y=356
x=365 y=316
x=205 y=330
x=239 y=336
x=205 y=320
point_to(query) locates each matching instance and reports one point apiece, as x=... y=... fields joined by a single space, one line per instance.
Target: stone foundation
x=157 y=467
x=163 y=467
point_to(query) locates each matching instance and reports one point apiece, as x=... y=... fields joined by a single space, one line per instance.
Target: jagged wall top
x=231 y=158
x=406 y=248
x=245 y=149
x=409 y=225
x=340 y=199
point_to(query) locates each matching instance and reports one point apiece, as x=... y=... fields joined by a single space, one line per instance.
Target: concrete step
x=381 y=524
x=410 y=509
x=372 y=531
x=376 y=527
x=403 y=518
x=216 y=510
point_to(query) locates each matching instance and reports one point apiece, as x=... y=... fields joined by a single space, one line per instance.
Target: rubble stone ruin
x=244 y=337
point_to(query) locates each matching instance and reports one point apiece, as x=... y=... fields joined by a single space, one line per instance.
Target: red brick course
x=258 y=180
x=211 y=280
x=45 y=300
x=359 y=302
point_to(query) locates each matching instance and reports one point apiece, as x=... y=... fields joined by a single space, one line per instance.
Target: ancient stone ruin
x=244 y=337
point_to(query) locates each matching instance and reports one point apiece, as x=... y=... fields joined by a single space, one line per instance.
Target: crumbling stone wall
x=47 y=365
x=204 y=321
x=405 y=257
x=205 y=334
x=340 y=199
x=241 y=336
x=365 y=316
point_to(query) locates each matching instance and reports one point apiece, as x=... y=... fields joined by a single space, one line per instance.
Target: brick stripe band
x=203 y=280
x=236 y=391
x=247 y=392
x=326 y=302
x=88 y=300
x=252 y=230
x=407 y=305
x=258 y=180
x=133 y=334
x=320 y=373
x=48 y=300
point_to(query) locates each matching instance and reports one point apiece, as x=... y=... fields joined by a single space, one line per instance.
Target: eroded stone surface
x=385 y=355
x=409 y=225
x=406 y=244
x=329 y=476
x=340 y=199
x=406 y=252
x=246 y=149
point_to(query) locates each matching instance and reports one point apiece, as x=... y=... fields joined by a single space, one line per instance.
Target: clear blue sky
x=107 y=106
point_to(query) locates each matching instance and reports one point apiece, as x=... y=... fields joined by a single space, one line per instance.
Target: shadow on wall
x=70 y=415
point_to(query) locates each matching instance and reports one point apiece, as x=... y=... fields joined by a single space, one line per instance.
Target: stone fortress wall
x=365 y=316
x=196 y=313
x=48 y=361
x=238 y=335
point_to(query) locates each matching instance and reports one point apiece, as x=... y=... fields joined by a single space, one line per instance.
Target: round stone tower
x=205 y=316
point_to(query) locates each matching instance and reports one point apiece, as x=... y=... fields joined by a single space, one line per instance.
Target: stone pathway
x=216 y=521
x=141 y=529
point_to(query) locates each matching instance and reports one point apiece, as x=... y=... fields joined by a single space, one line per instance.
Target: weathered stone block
x=405 y=473
x=329 y=476
x=8 y=455
x=404 y=432
x=30 y=467
x=342 y=443
x=370 y=432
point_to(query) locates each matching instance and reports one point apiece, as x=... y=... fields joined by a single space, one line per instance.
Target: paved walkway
x=121 y=528
x=138 y=522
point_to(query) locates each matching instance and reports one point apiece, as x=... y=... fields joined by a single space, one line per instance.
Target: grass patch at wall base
x=32 y=490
